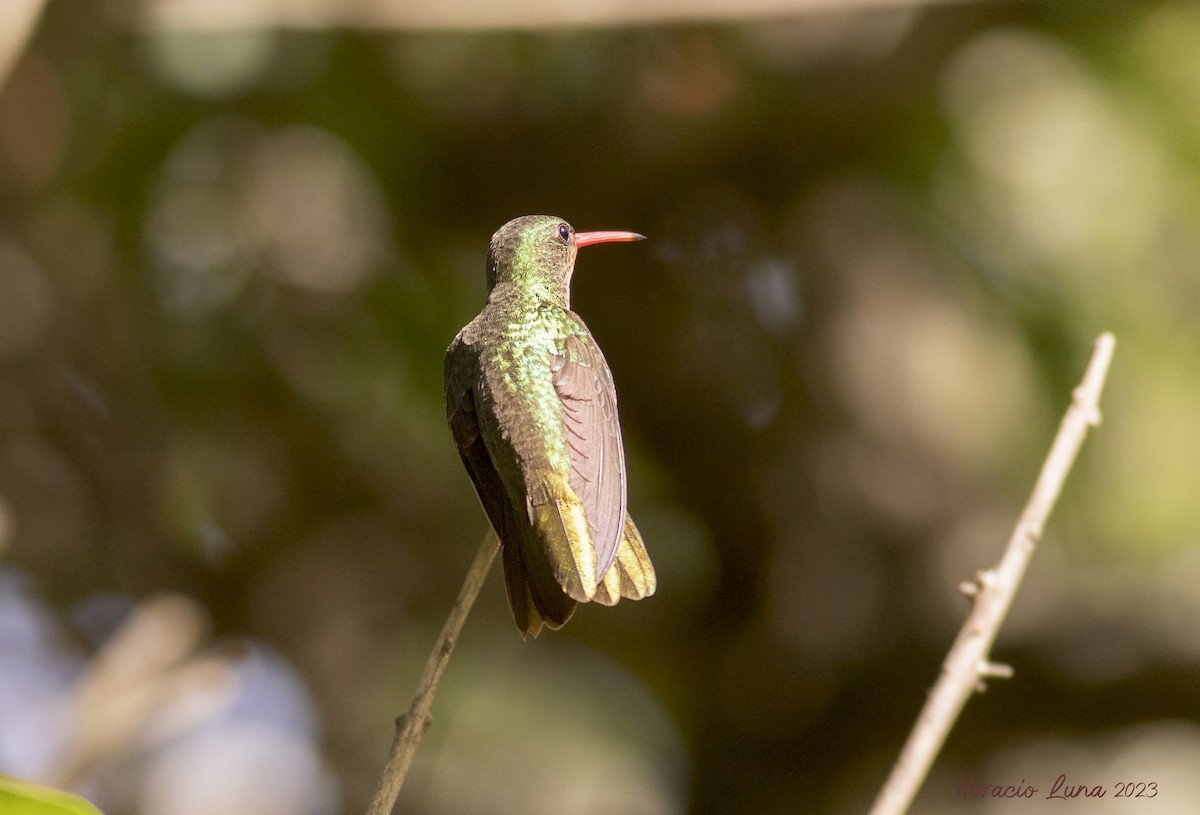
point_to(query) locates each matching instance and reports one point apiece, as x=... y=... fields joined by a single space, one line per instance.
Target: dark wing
x=585 y=387
x=459 y=373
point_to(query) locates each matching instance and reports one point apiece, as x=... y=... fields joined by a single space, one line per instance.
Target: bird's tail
x=632 y=574
x=561 y=526
x=534 y=596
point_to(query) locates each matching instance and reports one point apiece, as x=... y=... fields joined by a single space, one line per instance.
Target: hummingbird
x=532 y=407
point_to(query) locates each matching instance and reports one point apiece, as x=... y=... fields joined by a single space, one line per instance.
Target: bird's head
x=535 y=255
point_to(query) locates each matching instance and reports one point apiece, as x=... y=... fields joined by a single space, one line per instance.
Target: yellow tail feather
x=631 y=574
x=563 y=530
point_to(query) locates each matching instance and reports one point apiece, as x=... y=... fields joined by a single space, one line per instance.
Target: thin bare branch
x=968 y=665
x=411 y=725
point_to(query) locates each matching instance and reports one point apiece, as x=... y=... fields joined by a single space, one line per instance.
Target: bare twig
x=411 y=725
x=967 y=665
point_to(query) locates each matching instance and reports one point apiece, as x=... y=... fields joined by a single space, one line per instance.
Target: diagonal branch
x=967 y=665
x=412 y=724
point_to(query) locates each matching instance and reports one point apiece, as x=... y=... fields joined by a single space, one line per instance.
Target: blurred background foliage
x=882 y=241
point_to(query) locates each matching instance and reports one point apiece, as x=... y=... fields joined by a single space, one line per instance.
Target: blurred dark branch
x=967 y=666
x=153 y=660
x=412 y=724
x=17 y=19
x=475 y=14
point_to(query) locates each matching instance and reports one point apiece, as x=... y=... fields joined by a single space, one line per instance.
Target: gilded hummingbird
x=533 y=409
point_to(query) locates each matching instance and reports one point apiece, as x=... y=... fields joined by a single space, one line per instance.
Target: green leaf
x=23 y=798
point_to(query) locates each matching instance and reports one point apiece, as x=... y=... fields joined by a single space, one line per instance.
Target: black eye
x=564 y=232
